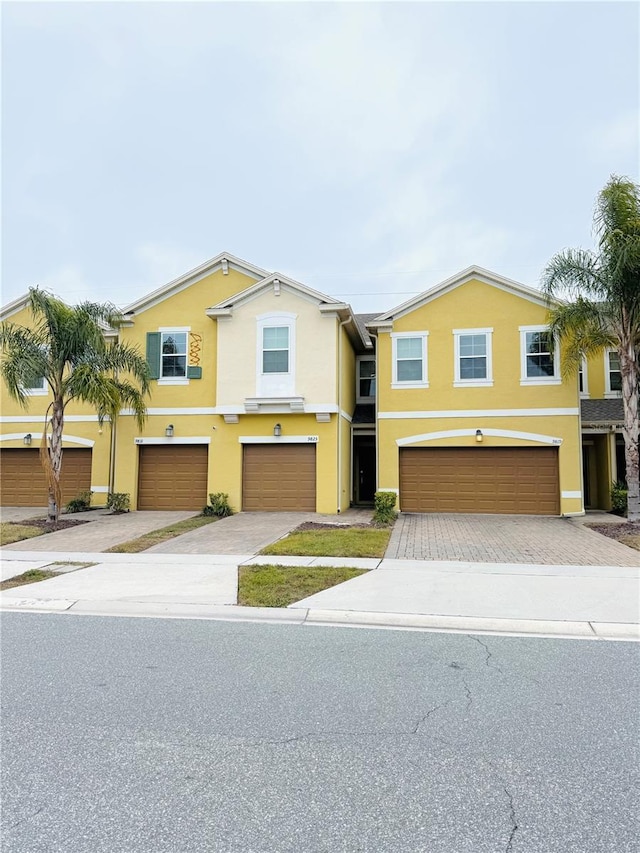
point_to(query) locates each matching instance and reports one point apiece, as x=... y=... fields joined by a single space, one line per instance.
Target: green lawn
x=32 y=576
x=351 y=542
x=279 y=586
x=155 y=537
x=11 y=532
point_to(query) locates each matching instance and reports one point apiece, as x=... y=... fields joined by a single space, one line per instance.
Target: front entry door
x=365 y=469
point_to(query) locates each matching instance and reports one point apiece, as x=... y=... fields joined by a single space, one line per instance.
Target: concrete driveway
x=249 y=532
x=504 y=539
x=101 y=530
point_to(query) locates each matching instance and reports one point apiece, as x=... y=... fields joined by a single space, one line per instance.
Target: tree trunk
x=53 y=461
x=629 y=371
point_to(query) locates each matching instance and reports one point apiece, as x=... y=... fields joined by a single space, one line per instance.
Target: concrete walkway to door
x=504 y=539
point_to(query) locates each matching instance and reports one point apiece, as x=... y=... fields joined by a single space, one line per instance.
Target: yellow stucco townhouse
x=284 y=399
x=472 y=413
x=253 y=392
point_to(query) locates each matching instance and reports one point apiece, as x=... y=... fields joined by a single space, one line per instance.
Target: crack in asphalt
x=27 y=818
x=489 y=655
x=424 y=718
x=467 y=690
x=514 y=821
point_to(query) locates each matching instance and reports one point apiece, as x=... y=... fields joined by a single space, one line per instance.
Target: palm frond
x=131 y=398
x=617 y=209
x=583 y=328
x=573 y=273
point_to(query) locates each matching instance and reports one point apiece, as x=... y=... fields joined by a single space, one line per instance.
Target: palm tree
x=602 y=289
x=66 y=346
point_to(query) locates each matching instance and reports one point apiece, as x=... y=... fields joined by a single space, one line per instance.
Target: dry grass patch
x=341 y=542
x=279 y=586
x=32 y=576
x=11 y=532
x=631 y=541
x=155 y=537
x=627 y=532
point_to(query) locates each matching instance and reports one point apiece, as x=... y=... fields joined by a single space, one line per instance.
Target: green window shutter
x=153 y=354
x=194 y=373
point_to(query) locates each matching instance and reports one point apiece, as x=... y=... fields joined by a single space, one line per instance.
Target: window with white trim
x=473 y=362
x=276 y=354
x=614 y=374
x=35 y=386
x=583 y=379
x=409 y=360
x=538 y=363
x=275 y=349
x=366 y=378
x=173 y=360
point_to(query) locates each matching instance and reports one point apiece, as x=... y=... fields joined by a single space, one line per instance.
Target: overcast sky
x=369 y=150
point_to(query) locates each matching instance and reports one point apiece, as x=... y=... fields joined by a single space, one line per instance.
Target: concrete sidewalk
x=574 y=601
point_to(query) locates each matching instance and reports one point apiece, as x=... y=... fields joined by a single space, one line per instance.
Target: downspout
x=339 y=422
x=112 y=454
x=373 y=334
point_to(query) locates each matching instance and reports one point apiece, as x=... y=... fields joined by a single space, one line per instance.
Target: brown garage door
x=173 y=476
x=22 y=481
x=279 y=477
x=514 y=480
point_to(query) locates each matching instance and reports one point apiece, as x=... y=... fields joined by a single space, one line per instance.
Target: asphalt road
x=159 y=735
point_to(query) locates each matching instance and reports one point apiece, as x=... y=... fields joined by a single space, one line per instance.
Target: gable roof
x=222 y=261
x=13 y=307
x=326 y=304
x=470 y=273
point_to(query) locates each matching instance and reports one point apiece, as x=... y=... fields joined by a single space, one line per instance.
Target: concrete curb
x=337 y=618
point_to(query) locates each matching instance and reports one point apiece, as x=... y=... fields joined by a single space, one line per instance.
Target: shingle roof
x=361 y=319
x=602 y=411
x=364 y=413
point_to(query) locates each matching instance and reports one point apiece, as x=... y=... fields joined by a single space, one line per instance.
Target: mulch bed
x=617 y=531
x=62 y=524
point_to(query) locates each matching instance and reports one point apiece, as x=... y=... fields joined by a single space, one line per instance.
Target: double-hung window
x=276 y=354
x=409 y=360
x=275 y=349
x=538 y=363
x=583 y=379
x=614 y=374
x=173 y=361
x=473 y=362
x=366 y=379
x=35 y=386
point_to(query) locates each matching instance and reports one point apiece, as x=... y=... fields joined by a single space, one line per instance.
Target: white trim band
x=477 y=413
x=497 y=433
x=100 y=490
x=37 y=436
x=283 y=439
x=188 y=439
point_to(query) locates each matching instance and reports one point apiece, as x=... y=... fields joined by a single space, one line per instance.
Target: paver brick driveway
x=504 y=539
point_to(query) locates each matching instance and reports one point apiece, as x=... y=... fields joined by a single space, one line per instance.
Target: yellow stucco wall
x=187 y=309
x=315 y=349
x=225 y=450
x=476 y=305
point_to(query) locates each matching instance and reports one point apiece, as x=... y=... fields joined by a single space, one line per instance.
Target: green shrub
x=218 y=505
x=619 y=498
x=384 y=507
x=118 y=502
x=80 y=504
